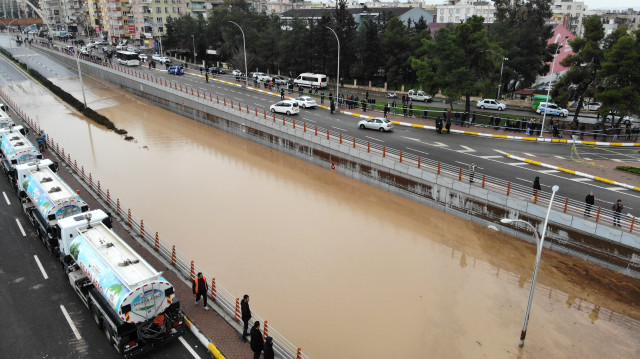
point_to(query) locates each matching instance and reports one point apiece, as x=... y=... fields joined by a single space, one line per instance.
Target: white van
x=311 y=80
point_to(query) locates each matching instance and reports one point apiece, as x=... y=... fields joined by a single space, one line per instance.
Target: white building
x=574 y=11
x=458 y=11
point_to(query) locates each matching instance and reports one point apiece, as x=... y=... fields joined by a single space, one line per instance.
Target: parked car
x=306 y=102
x=279 y=80
x=237 y=73
x=289 y=107
x=261 y=76
x=377 y=123
x=419 y=96
x=142 y=57
x=552 y=109
x=161 y=59
x=176 y=70
x=592 y=106
x=491 y=104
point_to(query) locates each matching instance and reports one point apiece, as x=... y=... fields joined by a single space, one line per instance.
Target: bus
x=127 y=58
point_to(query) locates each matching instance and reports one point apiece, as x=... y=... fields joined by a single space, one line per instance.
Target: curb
x=575 y=173
x=462 y=132
x=215 y=352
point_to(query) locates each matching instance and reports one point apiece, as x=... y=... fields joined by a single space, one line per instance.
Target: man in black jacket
x=246 y=315
x=590 y=200
x=256 y=340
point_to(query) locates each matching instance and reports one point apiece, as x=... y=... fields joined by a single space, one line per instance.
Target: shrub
x=631 y=169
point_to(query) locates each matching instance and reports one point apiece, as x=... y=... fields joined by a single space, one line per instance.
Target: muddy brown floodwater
x=342 y=269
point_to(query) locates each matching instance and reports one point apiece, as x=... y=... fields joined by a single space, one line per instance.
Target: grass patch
x=630 y=169
x=65 y=96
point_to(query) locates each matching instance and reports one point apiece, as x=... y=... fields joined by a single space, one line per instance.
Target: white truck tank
x=5 y=120
x=16 y=147
x=52 y=197
x=133 y=289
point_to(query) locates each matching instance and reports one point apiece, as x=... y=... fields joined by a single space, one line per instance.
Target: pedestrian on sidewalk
x=411 y=109
x=332 y=106
x=256 y=340
x=282 y=95
x=393 y=106
x=472 y=171
x=448 y=125
x=617 y=209
x=590 y=200
x=536 y=186
x=404 y=109
x=268 y=348
x=321 y=97
x=200 y=289
x=246 y=315
x=385 y=110
x=206 y=76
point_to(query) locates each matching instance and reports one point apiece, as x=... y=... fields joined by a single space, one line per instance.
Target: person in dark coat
x=332 y=105
x=590 y=200
x=256 y=340
x=617 y=209
x=268 y=348
x=448 y=125
x=246 y=315
x=200 y=289
x=536 y=185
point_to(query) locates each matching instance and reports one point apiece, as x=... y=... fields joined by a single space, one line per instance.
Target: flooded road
x=340 y=268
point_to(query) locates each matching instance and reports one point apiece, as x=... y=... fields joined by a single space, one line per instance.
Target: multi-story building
x=613 y=19
x=457 y=11
x=573 y=11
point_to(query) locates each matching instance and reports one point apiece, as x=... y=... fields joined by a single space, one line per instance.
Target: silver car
x=491 y=104
x=377 y=123
x=306 y=102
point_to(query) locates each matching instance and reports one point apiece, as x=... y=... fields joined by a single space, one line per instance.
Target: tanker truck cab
x=16 y=148
x=46 y=199
x=5 y=120
x=130 y=301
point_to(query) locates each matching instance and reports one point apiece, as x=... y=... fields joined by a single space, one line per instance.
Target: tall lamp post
x=338 y=72
x=544 y=115
x=10 y=44
x=540 y=244
x=193 y=42
x=501 y=68
x=244 y=48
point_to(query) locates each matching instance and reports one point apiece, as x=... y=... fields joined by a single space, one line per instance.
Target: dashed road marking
x=412 y=139
x=338 y=128
x=617 y=189
x=560 y=157
x=517 y=164
x=490 y=157
x=44 y=274
x=549 y=171
x=504 y=153
x=189 y=348
x=21 y=229
x=439 y=144
x=6 y=198
x=580 y=179
x=373 y=138
x=466 y=149
x=73 y=327
x=413 y=149
x=528 y=154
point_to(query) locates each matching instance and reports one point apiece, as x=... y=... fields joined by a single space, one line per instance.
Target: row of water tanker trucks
x=130 y=301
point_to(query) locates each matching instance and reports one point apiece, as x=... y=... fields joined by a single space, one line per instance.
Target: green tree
x=521 y=29
x=369 y=48
x=397 y=48
x=584 y=65
x=620 y=92
x=345 y=27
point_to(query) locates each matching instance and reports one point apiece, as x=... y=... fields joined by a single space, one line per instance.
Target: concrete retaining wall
x=602 y=244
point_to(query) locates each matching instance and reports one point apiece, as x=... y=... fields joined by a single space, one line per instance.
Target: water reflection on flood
x=338 y=267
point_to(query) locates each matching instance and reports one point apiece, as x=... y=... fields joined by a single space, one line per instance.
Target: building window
x=450 y=11
x=457 y=18
x=166 y=10
x=161 y=29
x=578 y=7
x=159 y=20
x=187 y=4
x=457 y=10
x=174 y=10
x=568 y=7
x=468 y=11
x=441 y=11
x=158 y=10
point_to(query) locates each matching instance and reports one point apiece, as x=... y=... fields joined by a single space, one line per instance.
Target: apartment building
x=573 y=12
x=458 y=11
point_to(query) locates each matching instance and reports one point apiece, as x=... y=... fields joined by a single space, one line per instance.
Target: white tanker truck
x=129 y=300
x=16 y=148
x=5 y=120
x=46 y=199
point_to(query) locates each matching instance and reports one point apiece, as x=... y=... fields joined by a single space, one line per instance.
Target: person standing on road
x=536 y=186
x=617 y=209
x=246 y=315
x=200 y=289
x=268 y=348
x=472 y=171
x=590 y=200
x=256 y=340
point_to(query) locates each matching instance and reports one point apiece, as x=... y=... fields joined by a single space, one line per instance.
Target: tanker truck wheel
x=96 y=317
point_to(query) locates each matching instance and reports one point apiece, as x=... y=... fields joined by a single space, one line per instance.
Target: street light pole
x=501 y=68
x=544 y=116
x=338 y=72
x=540 y=245
x=9 y=29
x=193 y=41
x=244 y=48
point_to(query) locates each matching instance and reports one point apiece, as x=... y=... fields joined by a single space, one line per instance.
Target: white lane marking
x=466 y=149
x=587 y=159
x=6 y=198
x=504 y=153
x=528 y=154
x=338 y=128
x=439 y=144
x=44 y=274
x=549 y=171
x=373 y=138
x=412 y=149
x=517 y=164
x=21 y=229
x=616 y=189
x=560 y=157
x=189 y=348
x=412 y=139
x=73 y=327
x=489 y=157
x=617 y=160
x=580 y=179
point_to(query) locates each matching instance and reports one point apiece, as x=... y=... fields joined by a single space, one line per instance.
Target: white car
x=377 y=123
x=552 y=109
x=261 y=76
x=306 y=102
x=142 y=57
x=592 y=106
x=289 y=107
x=491 y=104
x=236 y=73
x=161 y=59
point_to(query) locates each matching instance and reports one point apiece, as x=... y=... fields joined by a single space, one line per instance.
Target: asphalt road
x=456 y=150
